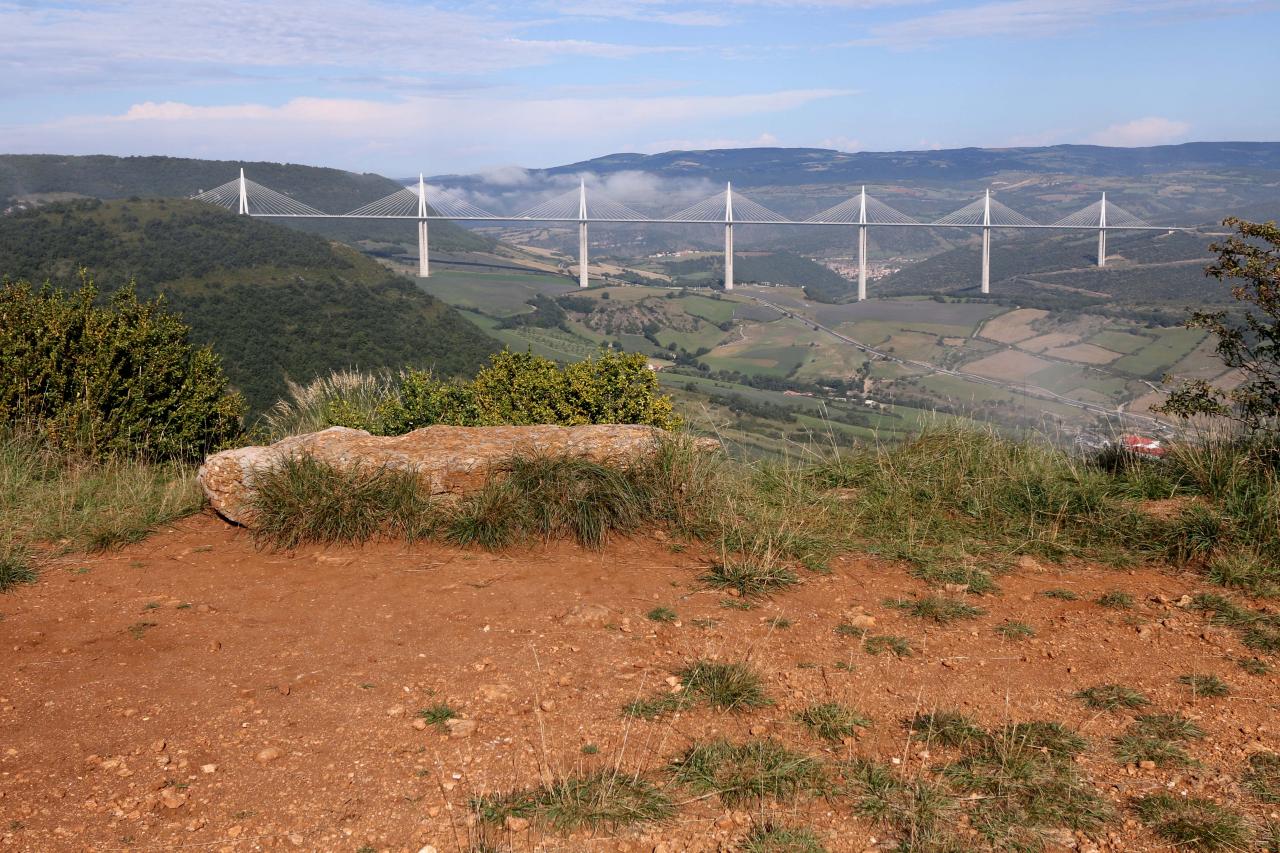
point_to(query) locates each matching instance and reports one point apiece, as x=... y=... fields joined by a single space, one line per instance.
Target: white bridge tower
x=862 y=246
x=583 y=277
x=424 y=248
x=986 y=244
x=1102 y=232
x=728 y=236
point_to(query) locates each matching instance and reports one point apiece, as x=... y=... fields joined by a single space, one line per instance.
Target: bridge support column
x=862 y=263
x=986 y=260
x=986 y=244
x=1102 y=232
x=583 y=276
x=424 y=250
x=728 y=257
x=424 y=244
x=728 y=236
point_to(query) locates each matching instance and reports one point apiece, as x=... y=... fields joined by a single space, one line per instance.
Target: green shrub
x=513 y=389
x=120 y=378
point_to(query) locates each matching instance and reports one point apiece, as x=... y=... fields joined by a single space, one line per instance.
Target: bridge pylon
x=728 y=236
x=424 y=243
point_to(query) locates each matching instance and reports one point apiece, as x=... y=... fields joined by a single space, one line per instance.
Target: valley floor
x=195 y=692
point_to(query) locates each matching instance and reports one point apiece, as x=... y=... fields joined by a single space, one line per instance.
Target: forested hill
x=274 y=302
x=40 y=178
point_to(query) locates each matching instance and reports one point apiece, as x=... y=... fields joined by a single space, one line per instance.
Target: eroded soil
x=141 y=688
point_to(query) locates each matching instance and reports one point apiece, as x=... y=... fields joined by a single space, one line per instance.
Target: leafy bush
x=119 y=378
x=513 y=389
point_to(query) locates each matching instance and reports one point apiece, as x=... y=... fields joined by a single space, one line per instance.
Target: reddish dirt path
x=140 y=686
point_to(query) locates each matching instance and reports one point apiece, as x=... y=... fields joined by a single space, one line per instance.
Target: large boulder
x=450 y=460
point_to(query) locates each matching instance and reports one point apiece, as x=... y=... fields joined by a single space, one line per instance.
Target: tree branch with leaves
x=1248 y=341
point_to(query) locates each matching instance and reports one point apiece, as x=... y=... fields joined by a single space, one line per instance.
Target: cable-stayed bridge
x=729 y=208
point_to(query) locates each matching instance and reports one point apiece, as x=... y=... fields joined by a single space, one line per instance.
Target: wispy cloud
x=362 y=133
x=1152 y=130
x=1036 y=18
x=111 y=41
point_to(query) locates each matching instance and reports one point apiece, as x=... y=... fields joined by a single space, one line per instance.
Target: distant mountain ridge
x=793 y=166
x=52 y=177
x=276 y=303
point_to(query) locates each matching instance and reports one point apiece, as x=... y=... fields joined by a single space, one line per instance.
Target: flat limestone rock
x=449 y=460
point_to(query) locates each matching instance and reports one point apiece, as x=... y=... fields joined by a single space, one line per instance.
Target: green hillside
x=274 y=302
x=40 y=178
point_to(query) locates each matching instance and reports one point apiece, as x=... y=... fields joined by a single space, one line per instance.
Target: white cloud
x=764 y=140
x=848 y=144
x=1152 y=130
x=397 y=136
x=113 y=42
x=1037 y=18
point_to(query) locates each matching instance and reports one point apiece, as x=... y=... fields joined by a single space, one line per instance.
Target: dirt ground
x=194 y=693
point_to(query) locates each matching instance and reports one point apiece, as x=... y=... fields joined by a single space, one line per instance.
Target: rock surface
x=448 y=459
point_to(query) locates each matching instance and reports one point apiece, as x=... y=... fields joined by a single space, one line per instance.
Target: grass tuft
x=1193 y=823
x=661 y=614
x=1167 y=726
x=724 y=686
x=438 y=714
x=1060 y=594
x=305 y=500
x=897 y=646
x=1135 y=746
x=1254 y=666
x=1201 y=684
x=606 y=798
x=937 y=609
x=752 y=771
x=976 y=581
x=832 y=721
x=1013 y=630
x=16 y=565
x=1111 y=697
x=1262 y=779
x=1053 y=738
x=1248 y=571
x=1116 y=599
x=775 y=838
x=752 y=578
x=86 y=503
x=1023 y=785
x=916 y=809
x=947 y=728
x=554 y=496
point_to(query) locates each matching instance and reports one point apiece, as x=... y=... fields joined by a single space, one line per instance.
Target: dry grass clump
x=1193 y=823
x=831 y=721
x=752 y=771
x=937 y=609
x=724 y=686
x=1111 y=697
x=87 y=503
x=600 y=799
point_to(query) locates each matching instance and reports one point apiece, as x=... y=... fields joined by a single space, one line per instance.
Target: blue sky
x=400 y=87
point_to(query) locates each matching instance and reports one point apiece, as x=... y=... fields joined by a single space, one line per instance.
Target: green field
x=497 y=294
x=1169 y=347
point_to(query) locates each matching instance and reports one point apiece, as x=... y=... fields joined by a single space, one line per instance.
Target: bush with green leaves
x=512 y=389
x=114 y=378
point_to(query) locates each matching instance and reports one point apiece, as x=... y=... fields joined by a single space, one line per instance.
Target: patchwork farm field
x=1105 y=362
